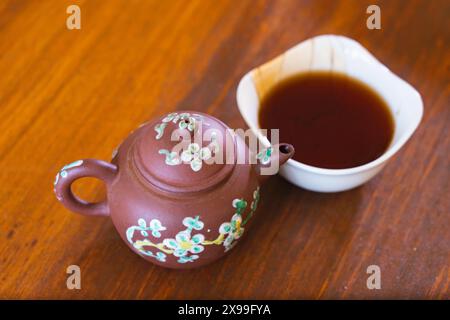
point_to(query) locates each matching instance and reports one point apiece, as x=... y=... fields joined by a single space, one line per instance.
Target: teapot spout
x=270 y=160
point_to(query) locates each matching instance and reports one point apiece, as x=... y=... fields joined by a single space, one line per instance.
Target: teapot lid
x=184 y=151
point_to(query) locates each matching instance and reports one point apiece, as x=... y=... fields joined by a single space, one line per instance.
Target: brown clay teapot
x=178 y=209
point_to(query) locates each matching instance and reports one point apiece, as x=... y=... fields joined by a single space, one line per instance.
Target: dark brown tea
x=333 y=121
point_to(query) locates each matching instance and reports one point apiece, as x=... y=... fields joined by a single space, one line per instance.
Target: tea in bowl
x=345 y=112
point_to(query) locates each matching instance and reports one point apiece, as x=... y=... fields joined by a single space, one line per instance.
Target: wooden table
x=70 y=94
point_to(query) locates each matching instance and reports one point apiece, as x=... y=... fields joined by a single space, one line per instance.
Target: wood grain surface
x=71 y=94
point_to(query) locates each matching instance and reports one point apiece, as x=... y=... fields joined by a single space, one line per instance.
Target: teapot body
x=181 y=230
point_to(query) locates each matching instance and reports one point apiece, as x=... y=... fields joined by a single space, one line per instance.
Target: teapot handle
x=99 y=169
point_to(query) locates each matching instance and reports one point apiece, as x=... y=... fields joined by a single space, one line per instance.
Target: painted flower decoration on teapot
x=193 y=155
x=189 y=243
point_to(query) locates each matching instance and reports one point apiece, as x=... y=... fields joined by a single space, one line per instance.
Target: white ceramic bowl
x=335 y=54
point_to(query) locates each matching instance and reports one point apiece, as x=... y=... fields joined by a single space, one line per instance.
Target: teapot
x=174 y=202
